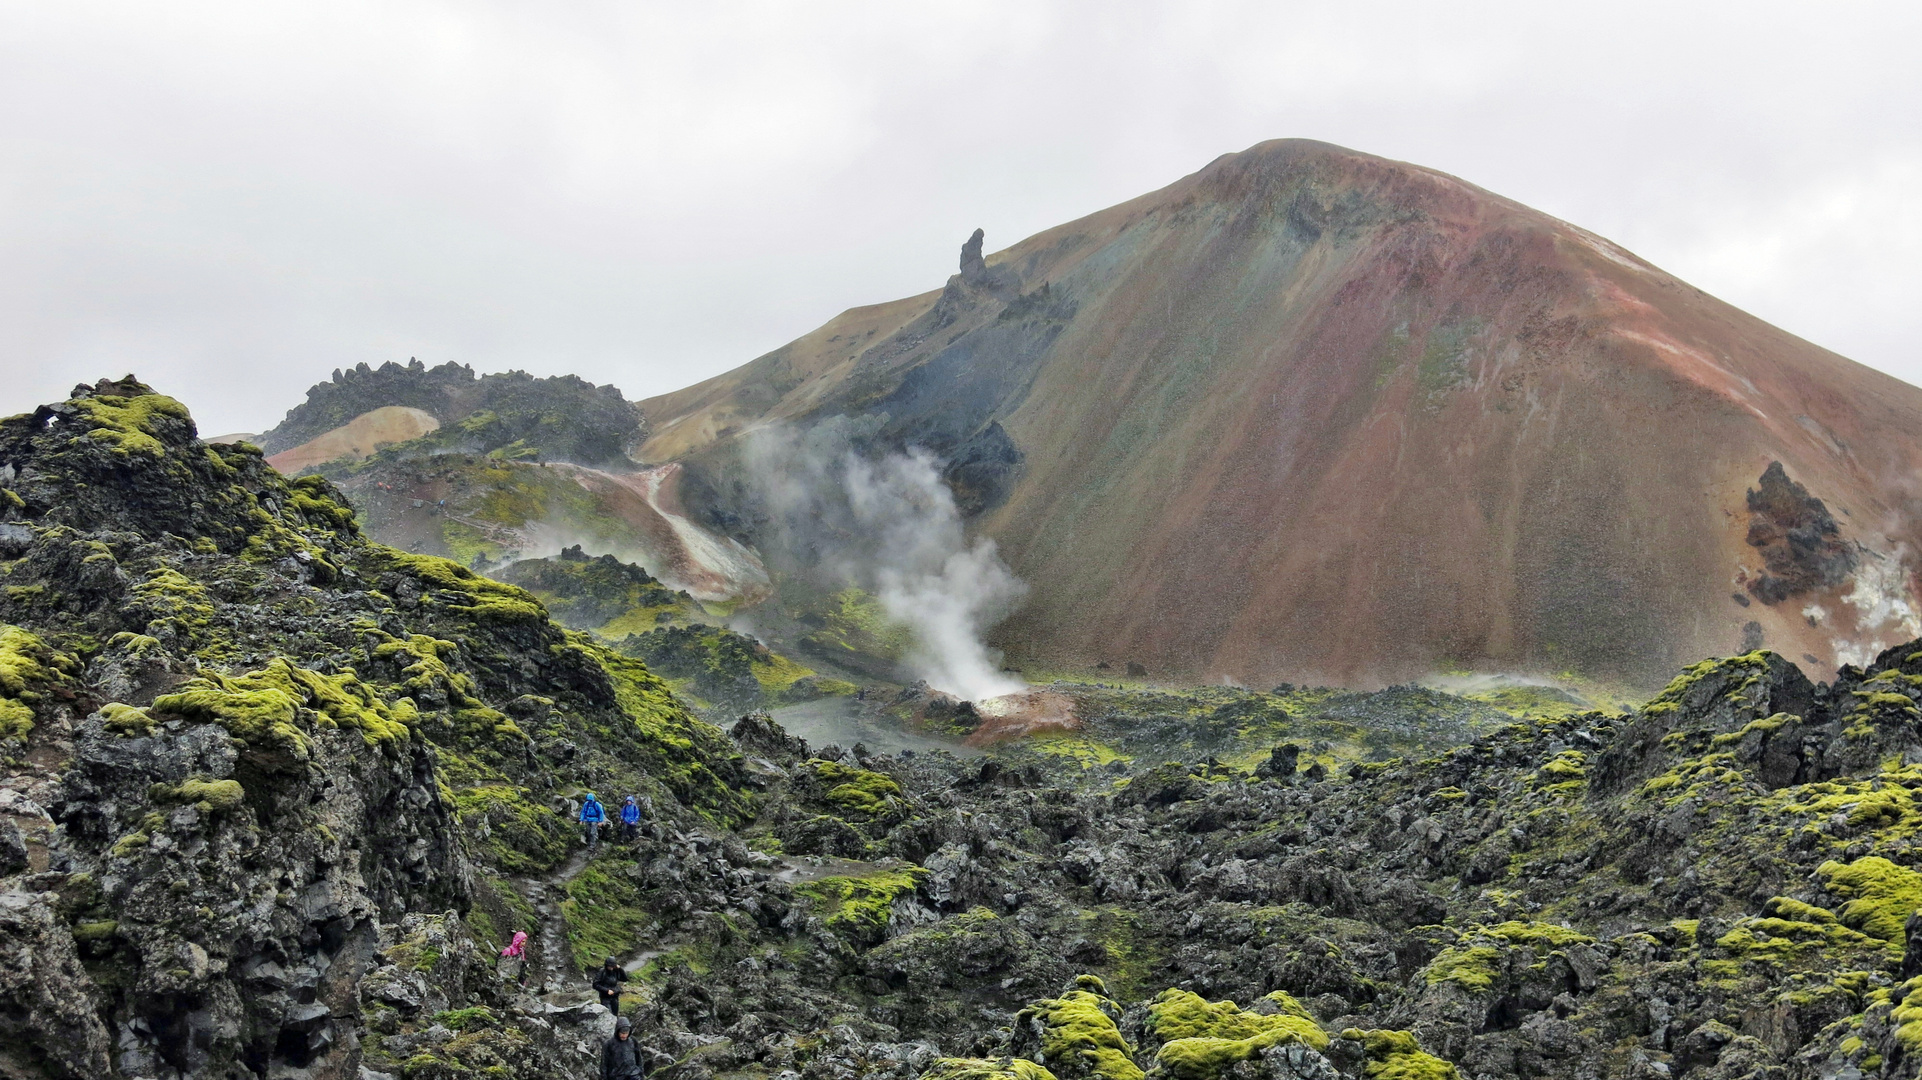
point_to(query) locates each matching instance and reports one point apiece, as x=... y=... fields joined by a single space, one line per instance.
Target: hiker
x=591 y=818
x=630 y=820
x=607 y=983
x=513 y=960
x=621 y=1056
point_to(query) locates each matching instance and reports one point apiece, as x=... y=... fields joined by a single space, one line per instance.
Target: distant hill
x=1316 y=415
x=490 y=469
x=566 y=417
x=358 y=438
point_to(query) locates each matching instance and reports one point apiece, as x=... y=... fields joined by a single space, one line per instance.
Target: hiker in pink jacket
x=513 y=960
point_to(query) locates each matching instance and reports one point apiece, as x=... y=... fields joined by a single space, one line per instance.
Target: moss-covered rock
x=264 y=710
x=1204 y=1040
x=863 y=909
x=859 y=791
x=1397 y=1055
x=29 y=670
x=986 y=1069
x=1076 y=1034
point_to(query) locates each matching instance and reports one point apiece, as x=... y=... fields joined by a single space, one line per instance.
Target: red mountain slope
x=1310 y=414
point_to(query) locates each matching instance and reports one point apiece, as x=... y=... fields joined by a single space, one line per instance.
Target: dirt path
x=554 y=972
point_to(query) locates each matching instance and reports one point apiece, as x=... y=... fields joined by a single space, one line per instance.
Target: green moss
x=1881 y=895
x=1868 y=804
x=1527 y=701
x=985 y=1069
x=1201 y=1040
x=859 y=908
x=1397 y=1055
x=16 y=719
x=126 y=719
x=854 y=621
x=209 y=795
x=856 y=789
x=1906 y=1017
x=462 y=1019
x=1178 y=1014
x=1789 y=936
x=1081 y=1024
x=1090 y=753
x=28 y=667
x=260 y=708
x=95 y=931
x=1744 y=672
x=1471 y=967
x=482 y=724
x=1565 y=766
x=1473 y=961
x=1133 y=957
x=134 y=644
x=128 y=423
x=1694 y=778
x=520 y=836
x=777 y=673
x=425 y=670
x=1885 y=699
x=168 y=598
x=1539 y=934
x=470 y=594
x=603 y=911
x=1766 y=726
x=131 y=844
x=520 y=914
x=311 y=497
x=686 y=749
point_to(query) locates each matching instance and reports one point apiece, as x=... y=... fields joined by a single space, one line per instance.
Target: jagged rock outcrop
x=566 y=417
x=1798 y=539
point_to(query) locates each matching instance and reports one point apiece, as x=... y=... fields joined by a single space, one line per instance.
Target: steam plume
x=888 y=524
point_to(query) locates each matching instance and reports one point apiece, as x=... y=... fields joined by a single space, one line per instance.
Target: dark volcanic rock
x=274 y=797
x=566 y=417
x=1800 y=543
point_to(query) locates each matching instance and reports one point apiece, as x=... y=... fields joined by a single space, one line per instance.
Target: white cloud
x=232 y=199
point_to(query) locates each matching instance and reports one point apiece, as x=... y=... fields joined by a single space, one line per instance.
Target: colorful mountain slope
x=1315 y=415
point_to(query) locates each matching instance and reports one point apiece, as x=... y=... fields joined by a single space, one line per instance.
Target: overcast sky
x=232 y=199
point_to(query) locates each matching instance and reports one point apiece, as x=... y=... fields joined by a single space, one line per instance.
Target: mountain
x=1314 y=415
x=274 y=796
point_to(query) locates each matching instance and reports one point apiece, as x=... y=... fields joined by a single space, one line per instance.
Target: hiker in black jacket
x=607 y=983
x=621 y=1056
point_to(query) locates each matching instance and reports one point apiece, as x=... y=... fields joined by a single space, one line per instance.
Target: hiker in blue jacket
x=630 y=820
x=591 y=818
